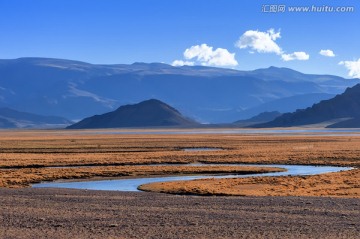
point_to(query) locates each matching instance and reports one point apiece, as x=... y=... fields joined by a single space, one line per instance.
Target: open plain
x=311 y=211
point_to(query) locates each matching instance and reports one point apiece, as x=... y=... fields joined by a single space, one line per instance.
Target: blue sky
x=127 y=31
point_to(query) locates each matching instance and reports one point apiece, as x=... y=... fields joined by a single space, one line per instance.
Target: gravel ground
x=65 y=213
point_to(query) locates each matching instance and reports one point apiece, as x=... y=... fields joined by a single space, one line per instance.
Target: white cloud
x=206 y=56
x=328 y=53
x=353 y=67
x=298 y=55
x=182 y=63
x=262 y=42
x=265 y=42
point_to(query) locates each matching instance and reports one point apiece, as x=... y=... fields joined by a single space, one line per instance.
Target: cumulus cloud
x=298 y=55
x=262 y=42
x=265 y=42
x=182 y=63
x=328 y=53
x=353 y=67
x=207 y=56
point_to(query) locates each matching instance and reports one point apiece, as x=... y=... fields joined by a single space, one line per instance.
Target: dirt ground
x=63 y=213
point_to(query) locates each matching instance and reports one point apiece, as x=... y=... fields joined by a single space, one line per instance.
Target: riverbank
x=64 y=213
x=24 y=177
x=342 y=184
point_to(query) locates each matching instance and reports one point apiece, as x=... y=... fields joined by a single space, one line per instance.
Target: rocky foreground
x=63 y=213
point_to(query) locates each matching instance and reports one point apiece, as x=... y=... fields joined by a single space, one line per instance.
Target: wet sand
x=64 y=213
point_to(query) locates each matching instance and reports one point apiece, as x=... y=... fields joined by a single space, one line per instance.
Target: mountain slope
x=350 y=123
x=346 y=105
x=150 y=113
x=260 y=118
x=76 y=89
x=15 y=119
x=6 y=124
x=287 y=104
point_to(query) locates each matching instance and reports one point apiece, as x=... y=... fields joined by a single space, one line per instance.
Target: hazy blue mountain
x=6 y=124
x=149 y=113
x=10 y=118
x=287 y=104
x=350 y=123
x=343 y=106
x=260 y=118
x=76 y=89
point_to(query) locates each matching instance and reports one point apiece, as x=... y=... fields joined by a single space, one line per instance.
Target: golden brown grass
x=342 y=184
x=26 y=176
x=24 y=155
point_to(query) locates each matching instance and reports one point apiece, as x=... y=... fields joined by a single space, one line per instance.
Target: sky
x=238 y=34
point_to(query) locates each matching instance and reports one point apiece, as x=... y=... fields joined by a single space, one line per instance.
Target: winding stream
x=132 y=184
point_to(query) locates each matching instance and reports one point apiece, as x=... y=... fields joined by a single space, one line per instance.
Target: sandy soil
x=60 y=213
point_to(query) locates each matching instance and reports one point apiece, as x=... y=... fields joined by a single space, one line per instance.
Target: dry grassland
x=25 y=156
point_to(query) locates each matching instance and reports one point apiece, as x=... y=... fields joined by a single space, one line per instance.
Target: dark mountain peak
x=352 y=90
x=151 y=104
x=154 y=103
x=149 y=113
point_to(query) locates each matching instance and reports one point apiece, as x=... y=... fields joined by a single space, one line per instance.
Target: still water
x=132 y=184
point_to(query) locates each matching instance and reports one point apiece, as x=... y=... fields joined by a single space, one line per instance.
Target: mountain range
x=258 y=119
x=10 y=118
x=149 y=113
x=343 y=109
x=75 y=90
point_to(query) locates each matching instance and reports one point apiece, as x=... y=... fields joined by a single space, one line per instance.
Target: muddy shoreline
x=65 y=213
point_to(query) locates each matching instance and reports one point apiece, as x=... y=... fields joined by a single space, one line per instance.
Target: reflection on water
x=133 y=183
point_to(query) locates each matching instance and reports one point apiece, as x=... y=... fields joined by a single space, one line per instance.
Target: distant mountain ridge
x=149 y=113
x=75 y=89
x=10 y=118
x=288 y=104
x=260 y=118
x=342 y=106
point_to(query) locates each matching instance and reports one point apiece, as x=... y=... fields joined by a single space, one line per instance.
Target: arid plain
x=29 y=157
